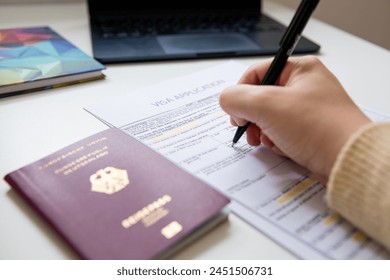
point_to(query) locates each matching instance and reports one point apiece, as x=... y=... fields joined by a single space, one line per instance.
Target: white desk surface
x=37 y=124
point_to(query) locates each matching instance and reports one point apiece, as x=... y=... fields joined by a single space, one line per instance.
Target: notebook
x=38 y=58
x=126 y=31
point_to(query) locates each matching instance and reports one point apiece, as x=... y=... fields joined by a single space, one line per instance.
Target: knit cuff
x=359 y=183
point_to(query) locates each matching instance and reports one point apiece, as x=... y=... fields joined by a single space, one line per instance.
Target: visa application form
x=182 y=120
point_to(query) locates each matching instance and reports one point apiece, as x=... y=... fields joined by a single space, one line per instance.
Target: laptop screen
x=132 y=7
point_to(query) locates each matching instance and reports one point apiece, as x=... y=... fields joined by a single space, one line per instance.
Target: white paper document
x=182 y=120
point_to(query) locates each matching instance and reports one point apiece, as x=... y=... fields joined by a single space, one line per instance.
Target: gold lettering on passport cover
x=155 y=216
x=109 y=180
x=72 y=160
x=155 y=210
x=171 y=229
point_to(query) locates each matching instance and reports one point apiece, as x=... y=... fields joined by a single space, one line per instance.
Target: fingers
x=267 y=142
x=255 y=73
x=253 y=135
x=235 y=101
x=252 y=76
x=294 y=67
x=247 y=102
x=238 y=121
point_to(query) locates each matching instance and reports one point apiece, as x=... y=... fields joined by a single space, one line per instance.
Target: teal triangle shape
x=32 y=52
x=12 y=52
x=47 y=48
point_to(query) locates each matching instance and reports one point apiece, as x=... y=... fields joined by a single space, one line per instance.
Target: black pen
x=287 y=45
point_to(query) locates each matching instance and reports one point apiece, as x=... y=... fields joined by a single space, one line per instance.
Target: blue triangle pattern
x=31 y=52
x=47 y=48
x=62 y=47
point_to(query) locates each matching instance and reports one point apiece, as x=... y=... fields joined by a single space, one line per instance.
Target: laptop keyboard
x=144 y=26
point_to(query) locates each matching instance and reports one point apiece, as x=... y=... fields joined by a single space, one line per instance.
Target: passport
x=112 y=197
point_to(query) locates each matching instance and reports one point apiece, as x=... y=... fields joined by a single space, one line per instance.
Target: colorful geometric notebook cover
x=31 y=54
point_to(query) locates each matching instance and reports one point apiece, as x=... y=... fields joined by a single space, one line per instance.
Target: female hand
x=307 y=116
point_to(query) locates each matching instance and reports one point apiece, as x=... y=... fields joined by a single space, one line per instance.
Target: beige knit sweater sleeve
x=359 y=184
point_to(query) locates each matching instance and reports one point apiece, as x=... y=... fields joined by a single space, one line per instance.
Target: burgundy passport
x=111 y=197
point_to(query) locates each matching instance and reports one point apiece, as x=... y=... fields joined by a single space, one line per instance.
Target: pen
x=286 y=47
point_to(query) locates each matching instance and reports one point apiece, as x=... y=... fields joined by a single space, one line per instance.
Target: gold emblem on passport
x=109 y=180
x=171 y=229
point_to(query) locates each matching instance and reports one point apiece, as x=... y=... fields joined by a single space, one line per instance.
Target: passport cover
x=111 y=197
x=37 y=58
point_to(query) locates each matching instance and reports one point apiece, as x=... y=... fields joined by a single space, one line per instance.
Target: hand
x=307 y=116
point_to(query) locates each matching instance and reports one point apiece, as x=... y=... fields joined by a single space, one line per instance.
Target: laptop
x=151 y=30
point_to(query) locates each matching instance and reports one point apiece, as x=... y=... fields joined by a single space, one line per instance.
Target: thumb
x=247 y=102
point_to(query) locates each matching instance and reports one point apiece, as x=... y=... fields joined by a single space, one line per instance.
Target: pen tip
x=233 y=144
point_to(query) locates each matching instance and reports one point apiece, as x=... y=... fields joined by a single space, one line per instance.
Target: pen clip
x=291 y=50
